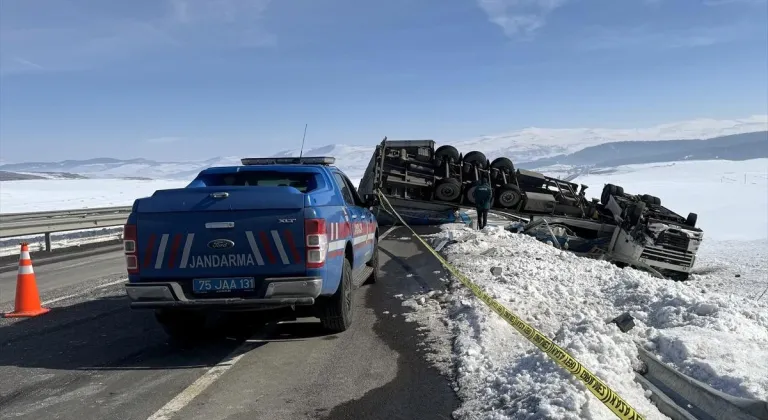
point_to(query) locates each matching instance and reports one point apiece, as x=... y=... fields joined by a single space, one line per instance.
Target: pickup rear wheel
x=336 y=311
x=183 y=327
x=374 y=263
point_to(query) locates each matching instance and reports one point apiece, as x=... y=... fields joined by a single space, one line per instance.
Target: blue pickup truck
x=274 y=233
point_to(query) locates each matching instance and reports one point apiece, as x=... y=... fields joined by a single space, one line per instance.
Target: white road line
x=387 y=232
x=112 y=283
x=187 y=395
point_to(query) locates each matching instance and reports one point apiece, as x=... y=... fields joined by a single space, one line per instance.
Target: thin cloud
x=519 y=17
x=84 y=38
x=169 y=139
x=602 y=38
x=727 y=2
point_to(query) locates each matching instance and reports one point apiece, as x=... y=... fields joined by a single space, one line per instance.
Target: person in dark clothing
x=483 y=196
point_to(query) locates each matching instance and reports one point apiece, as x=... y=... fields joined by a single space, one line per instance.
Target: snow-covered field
x=730 y=198
x=48 y=195
x=701 y=327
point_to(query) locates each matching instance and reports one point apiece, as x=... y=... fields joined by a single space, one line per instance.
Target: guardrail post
x=47 y=241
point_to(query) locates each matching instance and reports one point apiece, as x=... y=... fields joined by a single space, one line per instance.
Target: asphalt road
x=92 y=357
x=67 y=277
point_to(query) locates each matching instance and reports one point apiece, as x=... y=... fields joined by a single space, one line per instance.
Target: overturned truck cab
x=651 y=236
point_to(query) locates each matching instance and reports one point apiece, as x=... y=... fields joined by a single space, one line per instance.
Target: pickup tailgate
x=215 y=232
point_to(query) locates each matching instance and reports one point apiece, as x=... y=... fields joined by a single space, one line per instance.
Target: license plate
x=223 y=285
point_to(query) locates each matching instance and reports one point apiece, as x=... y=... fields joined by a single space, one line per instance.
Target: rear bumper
x=284 y=291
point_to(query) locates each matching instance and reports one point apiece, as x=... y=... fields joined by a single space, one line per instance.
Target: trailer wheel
x=691 y=219
x=509 y=196
x=503 y=164
x=475 y=158
x=446 y=152
x=448 y=189
x=470 y=194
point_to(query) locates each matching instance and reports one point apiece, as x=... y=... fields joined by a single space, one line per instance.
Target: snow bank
x=731 y=198
x=499 y=375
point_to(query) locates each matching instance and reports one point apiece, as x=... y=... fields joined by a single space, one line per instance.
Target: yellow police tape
x=600 y=390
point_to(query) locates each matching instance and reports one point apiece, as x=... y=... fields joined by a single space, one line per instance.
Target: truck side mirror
x=371 y=200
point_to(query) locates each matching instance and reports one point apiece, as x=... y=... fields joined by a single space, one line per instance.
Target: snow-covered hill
x=521 y=146
x=535 y=143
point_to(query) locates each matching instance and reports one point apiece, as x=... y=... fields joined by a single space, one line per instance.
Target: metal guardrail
x=683 y=398
x=21 y=224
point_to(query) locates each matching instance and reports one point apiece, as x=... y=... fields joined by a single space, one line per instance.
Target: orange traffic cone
x=27 y=296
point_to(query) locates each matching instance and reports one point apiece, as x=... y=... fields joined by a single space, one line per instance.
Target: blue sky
x=191 y=79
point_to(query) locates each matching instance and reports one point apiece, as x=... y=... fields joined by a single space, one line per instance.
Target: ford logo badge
x=220 y=244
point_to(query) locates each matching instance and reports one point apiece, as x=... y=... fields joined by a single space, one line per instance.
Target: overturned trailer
x=428 y=185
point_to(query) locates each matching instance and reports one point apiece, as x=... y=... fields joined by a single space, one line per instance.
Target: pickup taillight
x=129 y=246
x=316 y=242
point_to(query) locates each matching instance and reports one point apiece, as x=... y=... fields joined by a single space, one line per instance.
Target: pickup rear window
x=302 y=181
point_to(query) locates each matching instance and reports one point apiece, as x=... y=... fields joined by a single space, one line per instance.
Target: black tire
x=182 y=327
x=336 y=310
x=475 y=158
x=692 y=219
x=448 y=189
x=448 y=153
x=503 y=164
x=470 y=194
x=608 y=191
x=374 y=263
x=635 y=212
x=509 y=196
x=606 y=194
x=657 y=201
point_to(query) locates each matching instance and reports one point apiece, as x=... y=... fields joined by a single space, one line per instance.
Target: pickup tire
x=336 y=310
x=374 y=263
x=183 y=327
x=692 y=219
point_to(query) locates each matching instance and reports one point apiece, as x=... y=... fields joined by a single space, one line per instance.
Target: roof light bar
x=313 y=160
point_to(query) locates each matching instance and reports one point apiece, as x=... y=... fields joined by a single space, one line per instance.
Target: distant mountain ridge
x=528 y=148
x=734 y=147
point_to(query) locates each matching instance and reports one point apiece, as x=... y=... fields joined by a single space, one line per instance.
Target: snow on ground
x=74 y=238
x=730 y=198
x=48 y=195
x=499 y=375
